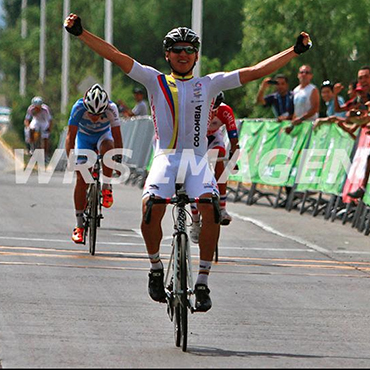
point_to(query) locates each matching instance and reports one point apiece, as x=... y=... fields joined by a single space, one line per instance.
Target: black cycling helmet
x=181 y=34
x=219 y=99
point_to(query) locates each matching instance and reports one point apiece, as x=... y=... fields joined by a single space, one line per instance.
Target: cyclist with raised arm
x=38 y=119
x=94 y=121
x=181 y=105
x=222 y=115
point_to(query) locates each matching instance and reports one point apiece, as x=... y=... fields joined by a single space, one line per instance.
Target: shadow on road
x=217 y=352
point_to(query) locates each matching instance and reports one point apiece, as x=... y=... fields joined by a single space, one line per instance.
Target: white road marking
x=271 y=230
x=314 y=248
x=64 y=241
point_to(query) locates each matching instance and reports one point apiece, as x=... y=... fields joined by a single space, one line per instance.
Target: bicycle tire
x=181 y=308
x=93 y=222
x=177 y=326
x=184 y=295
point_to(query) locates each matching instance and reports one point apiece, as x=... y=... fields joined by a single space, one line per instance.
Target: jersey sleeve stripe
x=170 y=92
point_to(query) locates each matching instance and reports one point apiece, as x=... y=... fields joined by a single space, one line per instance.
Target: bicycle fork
x=174 y=291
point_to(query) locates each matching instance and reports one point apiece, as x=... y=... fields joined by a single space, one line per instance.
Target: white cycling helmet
x=37 y=100
x=96 y=99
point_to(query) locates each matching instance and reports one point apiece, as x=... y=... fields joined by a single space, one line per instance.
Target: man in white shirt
x=306 y=98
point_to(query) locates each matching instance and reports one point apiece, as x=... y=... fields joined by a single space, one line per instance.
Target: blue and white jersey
x=80 y=117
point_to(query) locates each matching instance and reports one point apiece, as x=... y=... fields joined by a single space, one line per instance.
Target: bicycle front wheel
x=181 y=310
x=93 y=222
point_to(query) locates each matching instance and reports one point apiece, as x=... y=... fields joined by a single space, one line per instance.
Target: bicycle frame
x=178 y=281
x=172 y=274
x=93 y=213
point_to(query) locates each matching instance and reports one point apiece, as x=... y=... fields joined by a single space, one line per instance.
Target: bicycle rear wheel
x=93 y=222
x=181 y=310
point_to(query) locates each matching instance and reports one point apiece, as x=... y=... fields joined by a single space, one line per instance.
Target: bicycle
x=179 y=284
x=93 y=213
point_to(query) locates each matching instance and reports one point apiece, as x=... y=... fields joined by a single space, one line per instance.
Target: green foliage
x=338 y=29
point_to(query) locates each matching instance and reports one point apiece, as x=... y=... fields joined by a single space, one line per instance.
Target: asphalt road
x=289 y=291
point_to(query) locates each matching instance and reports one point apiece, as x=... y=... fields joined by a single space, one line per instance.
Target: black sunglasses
x=179 y=49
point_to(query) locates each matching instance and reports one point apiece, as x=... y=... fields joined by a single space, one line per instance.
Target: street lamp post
x=42 y=40
x=23 y=66
x=196 y=25
x=108 y=38
x=65 y=61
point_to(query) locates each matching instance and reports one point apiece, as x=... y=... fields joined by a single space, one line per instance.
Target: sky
x=1 y=13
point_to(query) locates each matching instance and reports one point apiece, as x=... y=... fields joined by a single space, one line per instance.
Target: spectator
x=351 y=89
x=141 y=107
x=306 y=98
x=281 y=100
x=362 y=89
x=327 y=96
x=362 y=119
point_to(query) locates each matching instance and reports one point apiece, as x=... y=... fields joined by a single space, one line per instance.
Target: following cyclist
x=95 y=122
x=222 y=114
x=38 y=121
x=180 y=105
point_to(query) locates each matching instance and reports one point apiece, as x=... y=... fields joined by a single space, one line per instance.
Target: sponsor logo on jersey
x=197 y=115
x=197 y=91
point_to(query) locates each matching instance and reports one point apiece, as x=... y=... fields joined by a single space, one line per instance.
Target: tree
x=338 y=29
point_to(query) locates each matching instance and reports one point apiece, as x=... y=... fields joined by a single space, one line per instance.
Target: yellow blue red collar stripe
x=170 y=92
x=181 y=78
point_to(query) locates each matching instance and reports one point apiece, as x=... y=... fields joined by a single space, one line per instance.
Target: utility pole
x=108 y=38
x=42 y=41
x=23 y=66
x=65 y=61
x=196 y=25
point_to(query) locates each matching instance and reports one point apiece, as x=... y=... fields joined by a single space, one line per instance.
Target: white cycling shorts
x=42 y=127
x=190 y=170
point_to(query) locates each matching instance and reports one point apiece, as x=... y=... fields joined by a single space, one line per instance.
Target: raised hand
x=73 y=24
x=303 y=43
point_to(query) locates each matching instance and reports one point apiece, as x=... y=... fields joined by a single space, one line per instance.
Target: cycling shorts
x=216 y=141
x=190 y=170
x=91 y=142
x=42 y=127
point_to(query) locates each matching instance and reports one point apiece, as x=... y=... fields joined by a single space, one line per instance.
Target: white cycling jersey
x=39 y=120
x=181 y=109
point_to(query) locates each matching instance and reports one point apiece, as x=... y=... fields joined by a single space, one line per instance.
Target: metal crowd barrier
x=257 y=137
x=62 y=164
x=138 y=134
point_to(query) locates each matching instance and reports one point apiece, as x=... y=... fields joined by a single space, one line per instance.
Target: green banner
x=250 y=138
x=314 y=158
x=267 y=144
x=337 y=162
x=278 y=164
x=366 y=198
